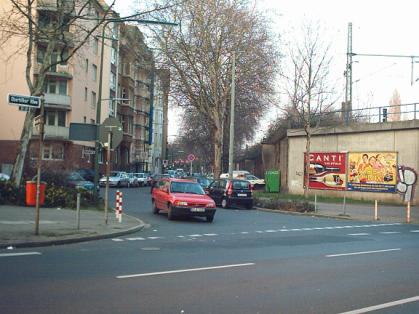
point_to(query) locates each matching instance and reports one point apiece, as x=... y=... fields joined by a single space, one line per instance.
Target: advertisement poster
x=327 y=171
x=372 y=172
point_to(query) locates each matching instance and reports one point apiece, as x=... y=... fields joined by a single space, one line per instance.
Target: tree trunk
x=307 y=162
x=22 y=150
x=217 y=141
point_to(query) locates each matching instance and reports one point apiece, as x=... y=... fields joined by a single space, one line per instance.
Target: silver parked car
x=141 y=178
x=116 y=178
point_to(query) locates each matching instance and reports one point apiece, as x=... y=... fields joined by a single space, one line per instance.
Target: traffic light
x=384 y=114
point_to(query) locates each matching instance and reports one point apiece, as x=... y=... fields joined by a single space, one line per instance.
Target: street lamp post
x=99 y=100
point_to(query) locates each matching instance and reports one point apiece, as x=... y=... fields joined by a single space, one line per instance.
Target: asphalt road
x=246 y=261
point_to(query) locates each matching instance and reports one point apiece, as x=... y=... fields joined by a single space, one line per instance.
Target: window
x=85 y=94
x=112 y=84
x=54 y=86
x=93 y=100
x=92 y=121
x=40 y=54
x=53 y=151
x=113 y=55
x=86 y=66
x=96 y=46
x=94 y=75
x=61 y=118
x=55 y=118
x=84 y=119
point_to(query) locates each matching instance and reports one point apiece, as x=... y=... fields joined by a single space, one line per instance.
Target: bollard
x=78 y=211
x=315 y=203
x=376 y=210
x=118 y=207
x=344 y=205
x=408 y=213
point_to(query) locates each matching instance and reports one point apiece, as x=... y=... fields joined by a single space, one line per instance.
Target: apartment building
x=159 y=124
x=71 y=95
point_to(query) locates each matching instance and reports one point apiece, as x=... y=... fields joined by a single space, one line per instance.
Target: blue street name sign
x=24 y=101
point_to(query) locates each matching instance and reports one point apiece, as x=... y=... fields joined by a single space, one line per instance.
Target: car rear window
x=240 y=185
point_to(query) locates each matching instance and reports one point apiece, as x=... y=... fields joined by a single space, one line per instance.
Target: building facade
x=71 y=93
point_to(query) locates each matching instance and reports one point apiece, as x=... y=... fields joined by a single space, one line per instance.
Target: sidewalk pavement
x=363 y=212
x=59 y=226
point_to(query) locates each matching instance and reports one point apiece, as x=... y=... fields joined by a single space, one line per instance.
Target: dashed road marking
x=19 y=254
x=358 y=234
x=118 y=240
x=135 y=239
x=154 y=238
x=364 y=252
x=210 y=234
x=383 y=306
x=390 y=232
x=414 y=231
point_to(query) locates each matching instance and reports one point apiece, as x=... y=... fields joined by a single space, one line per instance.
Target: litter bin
x=31 y=193
x=272 y=181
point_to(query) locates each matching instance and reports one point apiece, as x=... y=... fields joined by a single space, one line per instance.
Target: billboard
x=372 y=172
x=327 y=171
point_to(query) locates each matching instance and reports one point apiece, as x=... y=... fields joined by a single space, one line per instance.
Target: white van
x=236 y=174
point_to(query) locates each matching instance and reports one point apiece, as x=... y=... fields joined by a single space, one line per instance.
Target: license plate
x=198 y=210
x=241 y=194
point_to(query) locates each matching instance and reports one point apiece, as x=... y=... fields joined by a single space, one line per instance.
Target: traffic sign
x=191 y=157
x=24 y=101
x=112 y=125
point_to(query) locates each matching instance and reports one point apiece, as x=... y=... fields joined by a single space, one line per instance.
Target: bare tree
x=308 y=84
x=53 y=35
x=199 y=54
x=395 y=110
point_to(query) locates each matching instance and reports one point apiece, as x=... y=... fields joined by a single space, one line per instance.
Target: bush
x=287 y=205
x=9 y=194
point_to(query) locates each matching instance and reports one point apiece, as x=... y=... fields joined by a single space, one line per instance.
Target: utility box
x=272 y=181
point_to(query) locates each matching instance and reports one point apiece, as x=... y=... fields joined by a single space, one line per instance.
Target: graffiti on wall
x=407 y=178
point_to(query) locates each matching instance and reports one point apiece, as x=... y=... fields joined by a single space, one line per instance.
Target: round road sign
x=112 y=125
x=191 y=157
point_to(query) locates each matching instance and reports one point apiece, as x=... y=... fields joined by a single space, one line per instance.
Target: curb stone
x=32 y=244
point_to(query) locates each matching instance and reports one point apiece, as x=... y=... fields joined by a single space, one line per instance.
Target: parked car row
x=123 y=179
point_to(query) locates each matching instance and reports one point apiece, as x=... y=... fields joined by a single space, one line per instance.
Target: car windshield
x=204 y=182
x=74 y=176
x=114 y=174
x=240 y=185
x=250 y=177
x=186 y=187
x=140 y=175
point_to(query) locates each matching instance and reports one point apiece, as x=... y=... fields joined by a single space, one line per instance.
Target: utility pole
x=39 y=165
x=231 y=145
x=348 y=75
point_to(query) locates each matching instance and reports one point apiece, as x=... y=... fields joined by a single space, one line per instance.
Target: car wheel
x=170 y=215
x=118 y=185
x=155 y=209
x=210 y=218
x=249 y=205
x=224 y=203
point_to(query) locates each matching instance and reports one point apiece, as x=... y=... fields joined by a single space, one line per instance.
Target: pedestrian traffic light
x=384 y=114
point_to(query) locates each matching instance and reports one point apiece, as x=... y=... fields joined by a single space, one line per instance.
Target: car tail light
x=252 y=187
x=230 y=188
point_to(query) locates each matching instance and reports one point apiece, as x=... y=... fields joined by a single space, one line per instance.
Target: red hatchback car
x=180 y=197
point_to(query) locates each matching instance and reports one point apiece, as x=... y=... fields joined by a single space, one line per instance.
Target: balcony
x=62 y=71
x=53 y=132
x=51 y=5
x=58 y=101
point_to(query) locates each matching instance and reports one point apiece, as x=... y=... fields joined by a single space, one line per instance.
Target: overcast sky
x=379 y=27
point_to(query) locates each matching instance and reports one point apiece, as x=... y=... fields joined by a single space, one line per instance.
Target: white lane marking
x=270 y=231
x=150 y=249
x=244 y=232
x=184 y=270
x=19 y=254
x=117 y=240
x=259 y=231
x=389 y=232
x=358 y=234
x=195 y=235
x=383 y=306
x=210 y=234
x=180 y=236
x=414 y=230
x=283 y=230
x=136 y=239
x=307 y=229
x=365 y=252
x=154 y=238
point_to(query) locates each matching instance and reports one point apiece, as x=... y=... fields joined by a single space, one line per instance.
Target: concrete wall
x=401 y=137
